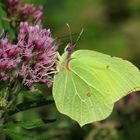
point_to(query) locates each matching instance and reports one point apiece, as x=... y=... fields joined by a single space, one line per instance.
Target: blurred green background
x=111 y=27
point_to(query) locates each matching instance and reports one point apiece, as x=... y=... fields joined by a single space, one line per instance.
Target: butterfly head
x=70 y=49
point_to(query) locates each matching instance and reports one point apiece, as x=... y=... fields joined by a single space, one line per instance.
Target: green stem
x=19 y=116
x=15 y=93
x=2 y=135
x=30 y=105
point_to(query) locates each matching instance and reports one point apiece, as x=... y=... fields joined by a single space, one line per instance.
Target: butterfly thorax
x=65 y=58
x=70 y=48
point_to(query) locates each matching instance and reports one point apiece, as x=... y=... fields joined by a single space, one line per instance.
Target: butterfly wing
x=112 y=76
x=78 y=99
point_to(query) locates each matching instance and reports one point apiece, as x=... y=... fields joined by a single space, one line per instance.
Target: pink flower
x=25 y=12
x=29 y=11
x=32 y=59
x=12 y=5
x=13 y=2
x=39 y=55
x=38 y=13
x=35 y=36
x=9 y=58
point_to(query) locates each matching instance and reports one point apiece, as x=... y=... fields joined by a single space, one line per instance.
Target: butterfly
x=88 y=83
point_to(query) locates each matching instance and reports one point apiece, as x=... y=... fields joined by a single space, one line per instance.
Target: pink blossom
x=12 y=5
x=25 y=12
x=39 y=55
x=9 y=58
x=38 y=13
x=32 y=59
x=29 y=11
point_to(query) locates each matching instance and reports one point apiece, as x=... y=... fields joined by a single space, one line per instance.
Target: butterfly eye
x=70 y=48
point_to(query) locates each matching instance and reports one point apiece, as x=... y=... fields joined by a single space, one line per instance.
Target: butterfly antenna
x=66 y=36
x=79 y=37
x=70 y=34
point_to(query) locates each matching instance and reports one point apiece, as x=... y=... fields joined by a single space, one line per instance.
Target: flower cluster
x=33 y=57
x=9 y=58
x=25 y=12
x=29 y=11
x=39 y=55
x=12 y=5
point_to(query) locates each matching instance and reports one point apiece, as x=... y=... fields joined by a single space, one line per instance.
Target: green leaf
x=4 y=25
x=29 y=124
x=88 y=83
x=30 y=105
x=31 y=96
x=34 y=123
x=18 y=136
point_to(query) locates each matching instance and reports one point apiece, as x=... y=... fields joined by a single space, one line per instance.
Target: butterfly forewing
x=113 y=77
